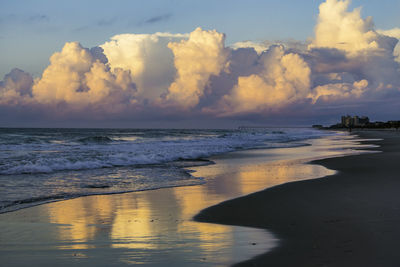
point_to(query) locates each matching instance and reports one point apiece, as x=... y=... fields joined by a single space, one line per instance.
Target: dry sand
x=351 y=218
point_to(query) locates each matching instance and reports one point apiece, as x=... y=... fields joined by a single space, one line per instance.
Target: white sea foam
x=44 y=165
x=100 y=151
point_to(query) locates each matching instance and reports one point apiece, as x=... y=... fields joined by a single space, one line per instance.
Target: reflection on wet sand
x=129 y=232
x=77 y=220
x=155 y=227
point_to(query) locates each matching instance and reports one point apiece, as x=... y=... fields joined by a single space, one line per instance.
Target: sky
x=180 y=63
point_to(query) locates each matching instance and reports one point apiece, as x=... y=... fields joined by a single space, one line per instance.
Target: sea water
x=44 y=165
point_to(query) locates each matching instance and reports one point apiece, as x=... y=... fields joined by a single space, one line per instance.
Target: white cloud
x=337 y=91
x=284 y=79
x=16 y=88
x=395 y=33
x=196 y=59
x=164 y=73
x=258 y=47
x=75 y=77
x=342 y=29
x=148 y=58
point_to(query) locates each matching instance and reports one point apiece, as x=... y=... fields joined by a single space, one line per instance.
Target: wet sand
x=350 y=218
x=155 y=228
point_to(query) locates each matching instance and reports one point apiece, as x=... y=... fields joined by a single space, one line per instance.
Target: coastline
x=346 y=219
x=155 y=227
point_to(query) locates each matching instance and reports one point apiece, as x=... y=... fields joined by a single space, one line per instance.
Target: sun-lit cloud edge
x=347 y=60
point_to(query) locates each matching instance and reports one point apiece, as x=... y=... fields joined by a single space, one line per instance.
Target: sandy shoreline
x=348 y=219
x=155 y=227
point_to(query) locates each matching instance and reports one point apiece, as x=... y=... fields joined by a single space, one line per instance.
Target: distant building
x=347 y=121
x=362 y=121
x=355 y=121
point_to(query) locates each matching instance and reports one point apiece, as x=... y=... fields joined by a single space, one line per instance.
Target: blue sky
x=30 y=31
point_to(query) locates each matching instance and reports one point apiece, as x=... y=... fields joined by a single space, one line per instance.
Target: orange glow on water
x=136 y=226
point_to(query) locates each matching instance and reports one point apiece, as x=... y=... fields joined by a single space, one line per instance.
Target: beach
x=156 y=227
x=347 y=219
x=199 y=133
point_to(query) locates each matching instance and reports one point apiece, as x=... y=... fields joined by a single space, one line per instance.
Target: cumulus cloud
x=347 y=61
x=337 y=91
x=349 y=58
x=147 y=57
x=342 y=29
x=75 y=76
x=395 y=33
x=196 y=59
x=16 y=87
x=284 y=79
x=258 y=47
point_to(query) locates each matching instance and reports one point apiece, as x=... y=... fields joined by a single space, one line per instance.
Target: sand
x=351 y=218
x=155 y=228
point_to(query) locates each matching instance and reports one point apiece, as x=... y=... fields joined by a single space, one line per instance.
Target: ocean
x=45 y=165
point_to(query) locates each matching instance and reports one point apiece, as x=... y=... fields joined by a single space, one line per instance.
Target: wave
x=46 y=165
x=22 y=192
x=102 y=151
x=96 y=139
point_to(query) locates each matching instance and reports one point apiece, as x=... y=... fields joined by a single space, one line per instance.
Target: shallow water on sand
x=47 y=165
x=155 y=227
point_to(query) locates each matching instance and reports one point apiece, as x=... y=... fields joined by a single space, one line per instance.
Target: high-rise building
x=348 y=121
